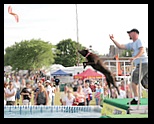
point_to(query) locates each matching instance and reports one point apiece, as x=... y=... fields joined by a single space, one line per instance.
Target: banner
x=110 y=110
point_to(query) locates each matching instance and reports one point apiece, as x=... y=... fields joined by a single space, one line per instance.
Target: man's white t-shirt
x=8 y=91
x=50 y=91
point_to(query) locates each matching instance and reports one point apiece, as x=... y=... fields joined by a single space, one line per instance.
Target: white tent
x=56 y=67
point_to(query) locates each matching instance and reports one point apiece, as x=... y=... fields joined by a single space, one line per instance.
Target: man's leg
x=135 y=90
x=135 y=81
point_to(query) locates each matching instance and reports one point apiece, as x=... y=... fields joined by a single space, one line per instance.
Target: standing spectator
x=63 y=95
x=26 y=94
x=17 y=86
x=41 y=96
x=87 y=91
x=7 y=78
x=5 y=87
x=23 y=83
x=36 y=88
x=122 y=93
x=92 y=86
x=53 y=93
x=57 y=84
x=106 y=91
x=98 y=93
x=10 y=94
x=49 y=92
x=76 y=100
x=114 y=92
x=81 y=96
x=69 y=99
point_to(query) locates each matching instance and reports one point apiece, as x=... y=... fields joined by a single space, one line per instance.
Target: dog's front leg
x=84 y=64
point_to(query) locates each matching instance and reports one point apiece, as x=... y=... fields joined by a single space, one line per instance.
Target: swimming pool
x=52 y=111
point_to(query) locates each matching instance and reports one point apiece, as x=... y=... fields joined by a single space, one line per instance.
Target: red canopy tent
x=89 y=73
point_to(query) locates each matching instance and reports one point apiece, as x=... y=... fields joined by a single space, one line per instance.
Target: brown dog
x=98 y=65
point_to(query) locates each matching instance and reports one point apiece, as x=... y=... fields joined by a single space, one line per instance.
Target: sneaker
x=133 y=102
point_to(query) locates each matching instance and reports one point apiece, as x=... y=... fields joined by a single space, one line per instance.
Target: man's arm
x=141 y=51
x=120 y=46
x=10 y=95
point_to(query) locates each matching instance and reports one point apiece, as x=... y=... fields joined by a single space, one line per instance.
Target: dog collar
x=87 y=54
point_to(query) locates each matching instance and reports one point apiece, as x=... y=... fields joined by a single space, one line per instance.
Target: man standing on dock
x=138 y=51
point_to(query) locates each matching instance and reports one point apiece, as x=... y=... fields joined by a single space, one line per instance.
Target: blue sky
x=55 y=22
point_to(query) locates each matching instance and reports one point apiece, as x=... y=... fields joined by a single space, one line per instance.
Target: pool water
x=52 y=112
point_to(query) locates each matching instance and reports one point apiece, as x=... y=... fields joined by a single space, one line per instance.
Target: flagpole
x=77 y=34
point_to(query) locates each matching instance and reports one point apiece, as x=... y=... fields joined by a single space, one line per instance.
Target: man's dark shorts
x=144 y=75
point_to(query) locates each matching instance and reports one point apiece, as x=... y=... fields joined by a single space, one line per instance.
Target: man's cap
x=133 y=30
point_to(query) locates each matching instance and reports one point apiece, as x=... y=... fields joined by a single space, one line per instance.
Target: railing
x=32 y=109
x=116 y=61
x=140 y=68
x=140 y=87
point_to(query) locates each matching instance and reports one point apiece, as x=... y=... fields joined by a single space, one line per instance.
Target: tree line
x=35 y=53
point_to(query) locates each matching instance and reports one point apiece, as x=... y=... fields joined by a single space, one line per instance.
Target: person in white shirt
x=69 y=99
x=87 y=90
x=10 y=94
x=53 y=93
x=63 y=95
x=17 y=87
x=122 y=93
x=5 y=87
x=49 y=92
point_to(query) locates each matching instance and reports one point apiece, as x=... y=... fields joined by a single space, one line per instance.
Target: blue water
x=51 y=112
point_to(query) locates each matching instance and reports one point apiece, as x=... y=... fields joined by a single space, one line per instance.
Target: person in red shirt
x=76 y=100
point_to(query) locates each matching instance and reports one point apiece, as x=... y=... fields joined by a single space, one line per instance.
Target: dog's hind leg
x=117 y=90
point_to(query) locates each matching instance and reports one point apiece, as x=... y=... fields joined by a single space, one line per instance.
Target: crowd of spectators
x=20 y=87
